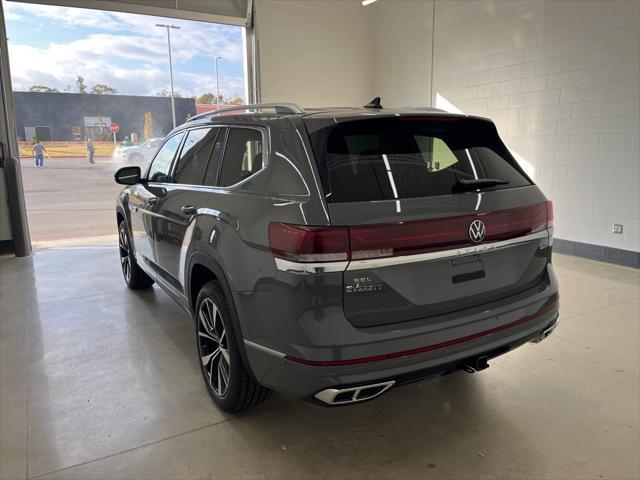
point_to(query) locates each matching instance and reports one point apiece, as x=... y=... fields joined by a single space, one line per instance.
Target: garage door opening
x=92 y=85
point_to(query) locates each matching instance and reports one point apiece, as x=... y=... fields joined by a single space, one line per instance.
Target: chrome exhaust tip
x=545 y=333
x=344 y=396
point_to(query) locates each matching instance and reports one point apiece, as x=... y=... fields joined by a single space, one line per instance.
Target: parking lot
x=70 y=201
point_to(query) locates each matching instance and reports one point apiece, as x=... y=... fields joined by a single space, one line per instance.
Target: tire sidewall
x=214 y=292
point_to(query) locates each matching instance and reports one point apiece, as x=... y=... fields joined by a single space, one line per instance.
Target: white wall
x=561 y=79
x=562 y=82
x=401 y=56
x=314 y=53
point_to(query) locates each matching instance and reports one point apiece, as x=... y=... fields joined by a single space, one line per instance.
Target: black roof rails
x=280 y=108
x=375 y=103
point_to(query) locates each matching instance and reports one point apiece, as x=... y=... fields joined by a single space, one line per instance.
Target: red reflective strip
x=428 y=348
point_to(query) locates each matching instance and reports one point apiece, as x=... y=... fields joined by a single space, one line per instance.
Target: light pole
x=217 y=86
x=173 y=105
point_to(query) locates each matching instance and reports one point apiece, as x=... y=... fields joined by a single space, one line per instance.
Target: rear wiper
x=463 y=185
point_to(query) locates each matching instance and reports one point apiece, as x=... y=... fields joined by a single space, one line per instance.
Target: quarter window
x=159 y=171
x=192 y=164
x=242 y=156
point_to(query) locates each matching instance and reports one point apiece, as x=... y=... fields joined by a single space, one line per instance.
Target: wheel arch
x=202 y=268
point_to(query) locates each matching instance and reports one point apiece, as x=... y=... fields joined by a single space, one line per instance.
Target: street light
x=217 y=86
x=173 y=105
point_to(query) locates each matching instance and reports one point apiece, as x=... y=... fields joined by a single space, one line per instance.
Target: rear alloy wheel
x=135 y=277
x=230 y=384
x=214 y=351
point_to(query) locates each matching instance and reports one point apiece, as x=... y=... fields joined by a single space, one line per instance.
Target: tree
x=207 y=97
x=43 y=89
x=166 y=93
x=80 y=84
x=102 y=89
x=148 y=125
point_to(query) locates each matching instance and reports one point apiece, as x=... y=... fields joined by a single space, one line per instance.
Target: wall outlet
x=617 y=228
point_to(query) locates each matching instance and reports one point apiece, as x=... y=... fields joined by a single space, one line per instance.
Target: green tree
x=167 y=93
x=102 y=89
x=43 y=89
x=207 y=97
x=80 y=84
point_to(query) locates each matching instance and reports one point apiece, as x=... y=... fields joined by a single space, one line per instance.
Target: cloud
x=125 y=51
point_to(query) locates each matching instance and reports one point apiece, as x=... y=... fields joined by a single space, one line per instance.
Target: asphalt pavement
x=70 y=201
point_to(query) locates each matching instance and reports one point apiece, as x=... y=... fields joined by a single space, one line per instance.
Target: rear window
x=406 y=157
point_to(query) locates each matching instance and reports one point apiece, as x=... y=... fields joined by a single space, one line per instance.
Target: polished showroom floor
x=101 y=382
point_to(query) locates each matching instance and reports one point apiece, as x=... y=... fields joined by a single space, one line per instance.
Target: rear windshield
x=405 y=157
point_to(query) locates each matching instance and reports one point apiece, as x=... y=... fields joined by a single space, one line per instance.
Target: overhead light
x=367 y=2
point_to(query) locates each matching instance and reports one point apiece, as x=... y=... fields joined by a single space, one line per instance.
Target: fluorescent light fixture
x=367 y=2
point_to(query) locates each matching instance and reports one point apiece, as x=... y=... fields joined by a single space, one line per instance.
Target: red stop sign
x=114 y=127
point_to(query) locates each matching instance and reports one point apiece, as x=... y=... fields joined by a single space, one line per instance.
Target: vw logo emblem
x=477 y=231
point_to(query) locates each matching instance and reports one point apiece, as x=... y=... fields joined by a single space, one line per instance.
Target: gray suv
x=333 y=254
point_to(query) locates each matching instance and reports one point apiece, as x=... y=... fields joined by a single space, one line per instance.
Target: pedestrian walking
x=90 y=151
x=39 y=151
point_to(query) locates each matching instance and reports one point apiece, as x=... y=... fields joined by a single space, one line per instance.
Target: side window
x=242 y=155
x=159 y=171
x=190 y=167
x=211 y=175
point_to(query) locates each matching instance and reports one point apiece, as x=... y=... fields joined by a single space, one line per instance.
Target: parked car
x=336 y=253
x=137 y=154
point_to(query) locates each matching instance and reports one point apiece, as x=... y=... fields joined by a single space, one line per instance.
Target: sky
x=51 y=46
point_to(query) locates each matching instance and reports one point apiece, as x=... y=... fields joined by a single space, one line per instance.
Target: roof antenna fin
x=375 y=103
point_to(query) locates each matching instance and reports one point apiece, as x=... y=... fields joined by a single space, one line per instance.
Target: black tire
x=217 y=341
x=135 y=277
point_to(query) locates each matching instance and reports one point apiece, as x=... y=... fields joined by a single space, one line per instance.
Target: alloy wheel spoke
x=210 y=358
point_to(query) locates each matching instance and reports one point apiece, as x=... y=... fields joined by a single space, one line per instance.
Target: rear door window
x=194 y=157
x=243 y=155
x=385 y=159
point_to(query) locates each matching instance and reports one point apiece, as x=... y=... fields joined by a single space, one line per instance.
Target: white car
x=137 y=154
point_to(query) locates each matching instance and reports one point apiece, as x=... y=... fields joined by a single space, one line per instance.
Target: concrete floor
x=101 y=382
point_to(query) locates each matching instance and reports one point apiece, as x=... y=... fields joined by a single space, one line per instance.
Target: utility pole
x=217 y=86
x=173 y=104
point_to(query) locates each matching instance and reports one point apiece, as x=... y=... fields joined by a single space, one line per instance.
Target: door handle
x=189 y=210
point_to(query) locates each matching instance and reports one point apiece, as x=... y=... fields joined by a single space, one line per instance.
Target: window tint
x=384 y=159
x=211 y=175
x=194 y=157
x=159 y=171
x=242 y=155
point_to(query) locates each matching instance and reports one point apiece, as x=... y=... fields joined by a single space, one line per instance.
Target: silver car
x=333 y=254
x=137 y=154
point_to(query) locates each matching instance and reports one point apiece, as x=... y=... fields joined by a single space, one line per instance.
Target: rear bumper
x=404 y=356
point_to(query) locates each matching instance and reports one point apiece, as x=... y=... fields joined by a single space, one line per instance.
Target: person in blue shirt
x=39 y=151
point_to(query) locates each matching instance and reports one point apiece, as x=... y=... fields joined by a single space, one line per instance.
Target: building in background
x=78 y=117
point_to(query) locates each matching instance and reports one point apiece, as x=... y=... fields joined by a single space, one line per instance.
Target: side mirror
x=128 y=175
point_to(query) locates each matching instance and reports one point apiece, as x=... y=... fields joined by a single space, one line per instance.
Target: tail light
x=309 y=244
x=549 y=205
x=327 y=244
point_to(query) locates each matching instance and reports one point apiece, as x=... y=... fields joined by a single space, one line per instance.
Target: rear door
x=143 y=201
x=441 y=218
x=186 y=194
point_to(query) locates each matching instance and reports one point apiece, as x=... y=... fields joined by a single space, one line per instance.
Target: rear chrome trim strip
x=310 y=268
x=328 y=267
x=262 y=348
x=457 y=252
